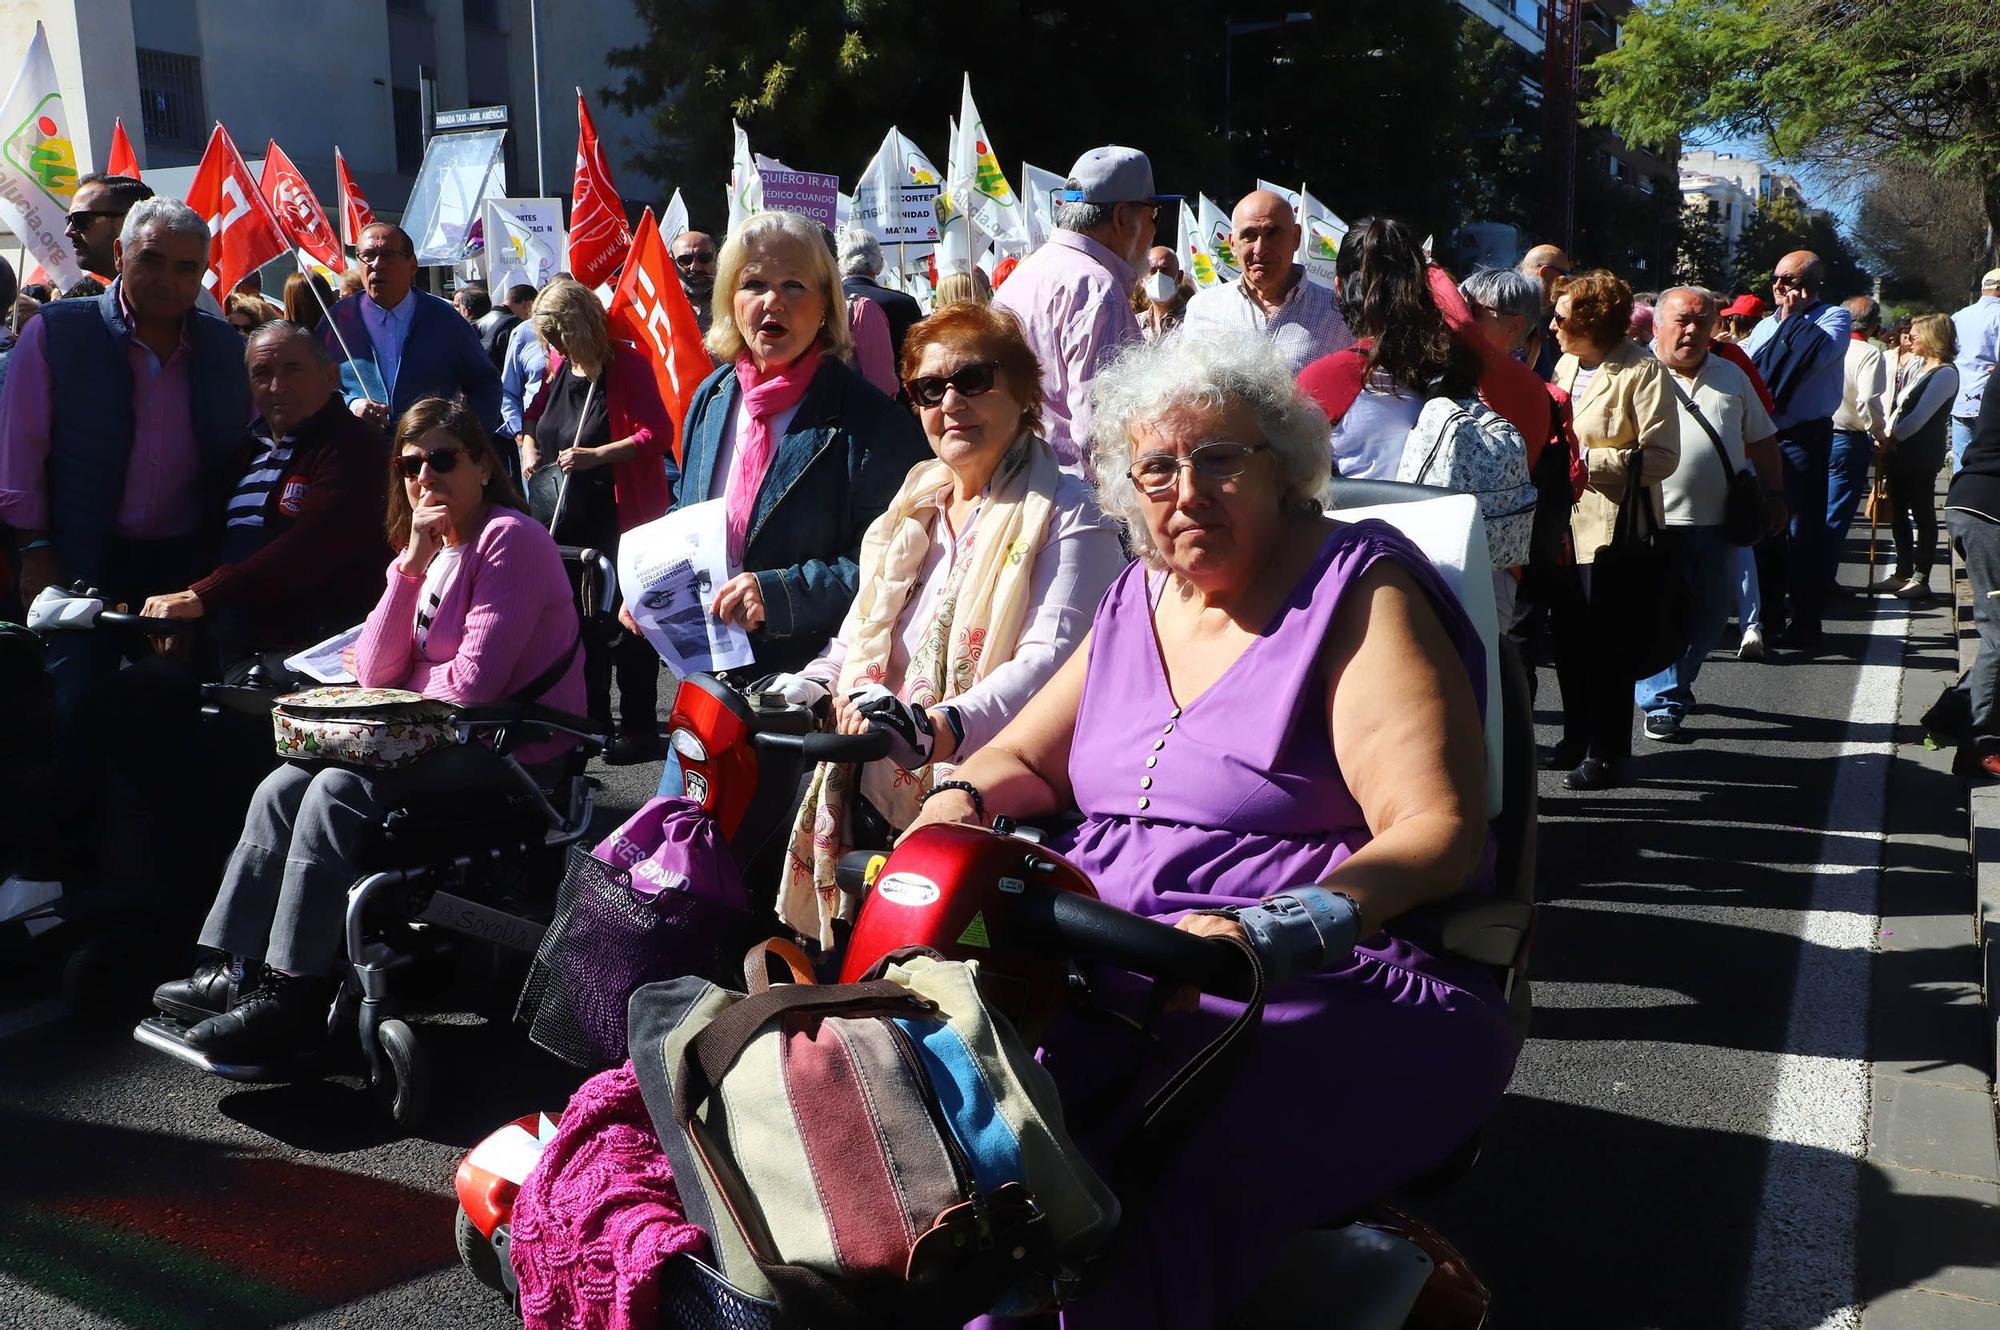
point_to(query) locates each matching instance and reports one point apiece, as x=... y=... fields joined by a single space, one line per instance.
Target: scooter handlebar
x=826 y=747
x=1091 y=929
x=150 y=627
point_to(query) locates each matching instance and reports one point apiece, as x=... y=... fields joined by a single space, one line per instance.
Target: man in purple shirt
x=1073 y=296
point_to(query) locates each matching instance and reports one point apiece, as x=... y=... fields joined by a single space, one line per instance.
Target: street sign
x=468 y=117
x=907 y=216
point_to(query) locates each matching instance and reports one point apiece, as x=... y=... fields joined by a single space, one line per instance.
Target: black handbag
x=1743 y=505
x=1638 y=598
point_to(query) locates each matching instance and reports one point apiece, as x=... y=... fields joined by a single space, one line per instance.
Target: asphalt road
x=1685 y=1099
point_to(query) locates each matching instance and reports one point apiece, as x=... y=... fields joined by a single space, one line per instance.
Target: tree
x=1702 y=257
x=1925 y=235
x=1780 y=226
x=1828 y=81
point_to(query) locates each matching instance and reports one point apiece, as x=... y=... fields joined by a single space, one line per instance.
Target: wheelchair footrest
x=167 y=1035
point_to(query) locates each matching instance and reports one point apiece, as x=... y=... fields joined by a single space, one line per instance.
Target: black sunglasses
x=974 y=380
x=688 y=260
x=442 y=460
x=83 y=217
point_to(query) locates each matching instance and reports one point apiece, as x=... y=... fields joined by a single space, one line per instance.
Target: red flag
x=650 y=310
x=598 y=235
x=243 y=236
x=123 y=162
x=354 y=210
x=297 y=209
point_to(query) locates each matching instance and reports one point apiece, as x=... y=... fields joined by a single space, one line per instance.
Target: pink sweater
x=506 y=615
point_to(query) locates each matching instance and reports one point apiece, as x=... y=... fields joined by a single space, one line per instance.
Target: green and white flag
x=899 y=161
x=1194 y=254
x=746 y=187
x=979 y=186
x=1038 y=197
x=1320 y=245
x=675 y=219
x=1214 y=235
x=38 y=165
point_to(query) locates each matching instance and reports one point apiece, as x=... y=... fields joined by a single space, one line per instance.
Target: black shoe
x=1564 y=755
x=628 y=750
x=1665 y=728
x=282 y=1016
x=196 y=999
x=1950 y=717
x=1593 y=773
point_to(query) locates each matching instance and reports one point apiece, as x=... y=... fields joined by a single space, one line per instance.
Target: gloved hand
x=796 y=689
x=1301 y=931
x=911 y=737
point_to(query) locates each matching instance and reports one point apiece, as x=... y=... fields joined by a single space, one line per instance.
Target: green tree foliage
x=1378 y=108
x=1702 y=257
x=1833 y=81
x=1781 y=226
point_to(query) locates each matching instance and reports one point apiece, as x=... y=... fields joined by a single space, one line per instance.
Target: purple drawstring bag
x=659 y=898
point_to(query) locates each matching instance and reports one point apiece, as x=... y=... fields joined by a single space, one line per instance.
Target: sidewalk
x=1929 y=1226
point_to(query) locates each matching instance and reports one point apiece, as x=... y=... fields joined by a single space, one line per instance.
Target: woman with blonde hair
x=802 y=451
x=1912 y=452
x=599 y=423
x=248 y=312
x=961 y=286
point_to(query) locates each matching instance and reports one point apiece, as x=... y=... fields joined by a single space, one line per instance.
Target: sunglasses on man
x=693 y=257
x=82 y=218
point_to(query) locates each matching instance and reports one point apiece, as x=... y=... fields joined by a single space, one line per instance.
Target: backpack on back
x=1467 y=447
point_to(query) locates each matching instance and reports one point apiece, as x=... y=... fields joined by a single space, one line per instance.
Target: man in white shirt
x=1978 y=329
x=1273 y=299
x=1724 y=428
x=1863 y=417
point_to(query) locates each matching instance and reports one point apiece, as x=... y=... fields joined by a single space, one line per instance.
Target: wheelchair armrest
x=528 y=715
x=1493 y=931
x=240 y=699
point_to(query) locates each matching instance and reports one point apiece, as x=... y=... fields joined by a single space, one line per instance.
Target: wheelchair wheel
x=403 y=1086
x=476 y=1254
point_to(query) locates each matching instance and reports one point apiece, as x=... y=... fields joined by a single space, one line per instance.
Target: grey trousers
x=284 y=893
x=1980 y=540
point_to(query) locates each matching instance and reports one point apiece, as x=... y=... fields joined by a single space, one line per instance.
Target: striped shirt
x=436 y=578
x=253 y=492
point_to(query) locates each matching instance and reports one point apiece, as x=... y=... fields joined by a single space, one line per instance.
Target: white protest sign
x=525 y=242
x=903 y=214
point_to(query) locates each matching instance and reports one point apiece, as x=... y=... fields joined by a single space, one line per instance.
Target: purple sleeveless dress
x=1359 y=1078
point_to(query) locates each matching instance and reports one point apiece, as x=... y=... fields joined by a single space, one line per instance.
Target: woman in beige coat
x=1625 y=416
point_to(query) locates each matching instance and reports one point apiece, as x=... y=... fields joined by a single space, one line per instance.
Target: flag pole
x=298 y=257
x=562 y=489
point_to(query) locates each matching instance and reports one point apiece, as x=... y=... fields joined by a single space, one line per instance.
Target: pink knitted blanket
x=599 y=1216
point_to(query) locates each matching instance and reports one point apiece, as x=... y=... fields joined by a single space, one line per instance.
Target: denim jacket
x=839 y=463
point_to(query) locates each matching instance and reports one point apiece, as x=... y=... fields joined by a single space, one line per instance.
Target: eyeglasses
x=371 y=257
x=1557 y=320
x=83 y=217
x=442 y=462
x=1156 y=473
x=974 y=380
x=697 y=256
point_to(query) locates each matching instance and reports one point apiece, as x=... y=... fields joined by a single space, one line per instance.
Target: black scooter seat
x=167 y=1035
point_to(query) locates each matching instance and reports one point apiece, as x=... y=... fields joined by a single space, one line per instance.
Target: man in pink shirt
x=1073 y=296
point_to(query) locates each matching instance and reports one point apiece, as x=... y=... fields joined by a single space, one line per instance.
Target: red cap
x=1745 y=307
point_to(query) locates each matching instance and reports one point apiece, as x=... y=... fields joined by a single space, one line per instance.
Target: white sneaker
x=1752 y=647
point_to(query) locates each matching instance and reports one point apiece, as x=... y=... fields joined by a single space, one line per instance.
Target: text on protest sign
x=807 y=193
x=908 y=215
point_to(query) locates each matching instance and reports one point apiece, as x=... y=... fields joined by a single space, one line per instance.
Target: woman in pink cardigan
x=599 y=421
x=478 y=608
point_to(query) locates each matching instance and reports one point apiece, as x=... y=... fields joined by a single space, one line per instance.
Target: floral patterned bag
x=373 y=728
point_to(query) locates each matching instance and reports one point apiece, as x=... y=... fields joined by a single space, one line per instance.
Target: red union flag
x=242 y=234
x=123 y=161
x=297 y=208
x=651 y=311
x=354 y=210
x=598 y=236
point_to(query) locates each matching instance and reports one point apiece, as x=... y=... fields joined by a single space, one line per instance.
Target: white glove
x=796 y=689
x=55 y=609
x=911 y=738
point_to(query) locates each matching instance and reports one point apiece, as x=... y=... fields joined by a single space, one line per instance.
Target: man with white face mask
x=1161 y=299
x=1273 y=298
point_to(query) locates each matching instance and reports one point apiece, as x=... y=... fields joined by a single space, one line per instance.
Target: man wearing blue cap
x=1073 y=296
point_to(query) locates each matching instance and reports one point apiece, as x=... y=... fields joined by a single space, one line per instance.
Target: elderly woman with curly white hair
x=1273 y=731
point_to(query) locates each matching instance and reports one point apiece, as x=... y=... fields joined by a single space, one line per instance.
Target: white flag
x=38 y=165
x=675 y=219
x=979 y=185
x=746 y=187
x=1214 y=235
x=1320 y=245
x=1195 y=259
x=947 y=204
x=1038 y=194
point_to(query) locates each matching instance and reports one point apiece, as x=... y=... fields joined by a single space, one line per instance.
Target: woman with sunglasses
x=801 y=449
x=1274 y=724
x=478 y=608
x=977 y=583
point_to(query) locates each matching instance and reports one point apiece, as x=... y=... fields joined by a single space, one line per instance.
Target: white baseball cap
x=1992 y=277
x=1112 y=174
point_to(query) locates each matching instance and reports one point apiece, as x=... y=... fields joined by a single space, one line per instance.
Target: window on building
x=1645 y=184
x=1614 y=168
x=170 y=100
x=483 y=13
x=409 y=114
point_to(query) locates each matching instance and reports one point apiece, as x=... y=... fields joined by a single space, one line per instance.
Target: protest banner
x=243 y=236
x=1214 y=235
x=807 y=193
x=525 y=242
x=38 y=165
x=650 y=311
x=978 y=186
x=1038 y=199
x=746 y=191
x=122 y=160
x=354 y=210
x=598 y=235
x=1194 y=255
x=297 y=209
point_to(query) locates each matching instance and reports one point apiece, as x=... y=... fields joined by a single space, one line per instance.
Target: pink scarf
x=766 y=394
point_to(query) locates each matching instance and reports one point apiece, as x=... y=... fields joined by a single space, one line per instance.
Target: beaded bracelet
x=978 y=800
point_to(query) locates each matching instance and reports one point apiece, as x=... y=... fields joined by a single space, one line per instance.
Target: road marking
x=1802 y=1271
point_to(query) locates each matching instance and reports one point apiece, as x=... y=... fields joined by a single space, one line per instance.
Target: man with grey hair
x=1720 y=409
x=1073 y=296
x=861 y=265
x=1273 y=299
x=119 y=429
x=1862 y=418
